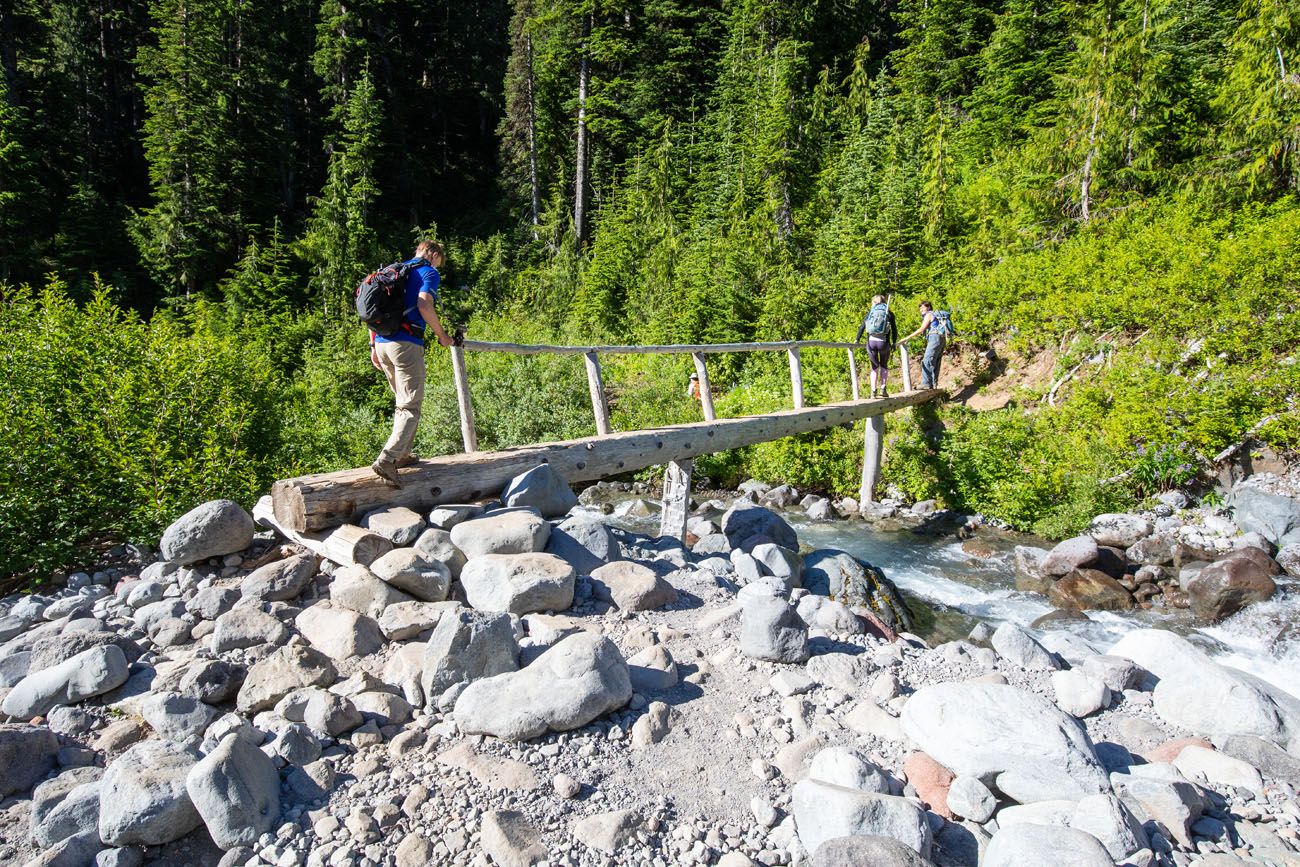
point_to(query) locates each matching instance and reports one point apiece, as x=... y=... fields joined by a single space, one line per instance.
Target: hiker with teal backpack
x=882 y=334
x=937 y=328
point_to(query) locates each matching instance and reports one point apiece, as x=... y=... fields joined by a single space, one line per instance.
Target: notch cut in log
x=347 y=545
x=322 y=500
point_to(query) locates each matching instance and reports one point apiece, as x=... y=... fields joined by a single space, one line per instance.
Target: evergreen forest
x=190 y=191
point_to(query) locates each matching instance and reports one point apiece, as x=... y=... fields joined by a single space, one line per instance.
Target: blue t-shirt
x=424 y=278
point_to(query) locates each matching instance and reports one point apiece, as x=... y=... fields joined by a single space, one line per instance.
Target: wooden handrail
x=667 y=349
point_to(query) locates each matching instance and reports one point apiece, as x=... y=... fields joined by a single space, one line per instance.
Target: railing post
x=599 y=406
x=796 y=377
x=677 y=498
x=853 y=376
x=872 y=449
x=907 y=368
x=706 y=392
x=467 y=432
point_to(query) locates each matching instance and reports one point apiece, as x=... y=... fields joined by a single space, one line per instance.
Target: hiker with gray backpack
x=882 y=334
x=397 y=304
x=936 y=325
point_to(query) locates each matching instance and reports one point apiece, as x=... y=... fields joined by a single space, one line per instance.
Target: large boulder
x=89 y=673
x=280 y=581
x=1089 y=590
x=467 y=646
x=1196 y=693
x=854 y=582
x=1226 y=586
x=338 y=632
x=435 y=544
x=1081 y=552
x=859 y=850
x=1119 y=530
x=771 y=629
x=1028 y=843
x=247 y=627
x=1158 y=549
x=543 y=489
x=517 y=583
x=73 y=810
x=584 y=543
x=143 y=798
x=26 y=755
x=823 y=811
x=214 y=529
x=1020 y=648
x=1273 y=516
x=1014 y=741
x=779 y=562
x=397 y=524
x=582 y=677
x=288 y=668
x=356 y=588
x=409 y=571
x=745 y=520
x=178 y=718
x=518 y=531
x=633 y=586
x=236 y=790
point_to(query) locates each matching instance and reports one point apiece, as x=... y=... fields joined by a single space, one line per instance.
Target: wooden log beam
x=327 y=499
x=348 y=545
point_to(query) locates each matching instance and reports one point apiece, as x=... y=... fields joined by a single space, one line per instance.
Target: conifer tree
x=16 y=185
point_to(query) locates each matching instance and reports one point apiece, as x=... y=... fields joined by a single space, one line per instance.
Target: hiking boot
x=884 y=392
x=410 y=458
x=387 y=470
x=873 y=394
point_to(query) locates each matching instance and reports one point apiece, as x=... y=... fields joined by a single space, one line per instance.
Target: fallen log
x=347 y=545
x=323 y=500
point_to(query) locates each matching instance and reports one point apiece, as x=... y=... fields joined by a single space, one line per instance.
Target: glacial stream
x=1263 y=639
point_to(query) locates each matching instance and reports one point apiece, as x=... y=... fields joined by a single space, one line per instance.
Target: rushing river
x=1263 y=639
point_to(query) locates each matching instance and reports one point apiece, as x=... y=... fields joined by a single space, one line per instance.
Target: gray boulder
x=779 y=562
x=744 y=520
x=357 y=589
x=632 y=586
x=76 y=851
x=51 y=650
x=408 y=571
x=517 y=583
x=143 y=799
x=584 y=543
x=971 y=799
x=1019 y=648
x=214 y=529
x=841 y=766
x=14 y=668
x=1273 y=516
x=247 y=627
x=824 y=812
x=280 y=581
x=236 y=790
x=209 y=603
x=854 y=582
x=771 y=629
x=435 y=544
x=518 y=531
x=26 y=755
x=1027 y=843
x=407 y=620
x=861 y=850
x=178 y=718
x=1014 y=741
x=1119 y=530
x=543 y=489
x=212 y=681
x=467 y=646
x=85 y=675
x=1226 y=586
x=1288 y=557
x=338 y=632
x=447 y=516
x=1081 y=552
x=1113 y=824
x=288 y=668
x=580 y=678
x=75 y=812
x=397 y=524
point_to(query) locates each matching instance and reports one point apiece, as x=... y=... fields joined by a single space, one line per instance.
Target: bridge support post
x=677 y=498
x=873 y=447
x=907 y=368
x=596 y=385
x=706 y=390
x=467 y=433
x=796 y=377
x=853 y=376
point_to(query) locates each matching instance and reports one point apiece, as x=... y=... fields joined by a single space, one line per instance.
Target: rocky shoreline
x=522 y=684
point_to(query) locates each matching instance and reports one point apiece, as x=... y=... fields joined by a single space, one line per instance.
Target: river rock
x=1113 y=824
x=1020 y=648
x=212 y=681
x=780 y=562
x=339 y=633
x=633 y=586
x=842 y=766
x=511 y=840
x=1116 y=672
x=1027 y=843
x=178 y=718
x=247 y=627
x=1275 y=762
x=1288 y=557
x=1174 y=804
x=1081 y=552
x=1016 y=741
x=1119 y=530
x=572 y=683
x=608 y=832
x=467 y=646
x=584 y=543
x=652 y=669
x=26 y=755
x=829 y=616
x=1029 y=569
x=407 y=620
x=1079 y=694
x=52 y=650
x=397 y=524
x=280 y=581
x=1274 y=516
x=771 y=629
x=860 y=850
x=745 y=520
x=520 y=531
x=214 y=529
x=1225 y=587
x=89 y=673
x=1198 y=694
x=517 y=583
x=209 y=603
x=1158 y=549
x=357 y=589
x=855 y=583
x=143 y=798
x=1089 y=589
x=435 y=544
x=541 y=488
x=1219 y=769
x=843 y=671
x=75 y=811
x=288 y=668
x=824 y=812
x=971 y=799
x=931 y=781
x=236 y=790
x=405 y=569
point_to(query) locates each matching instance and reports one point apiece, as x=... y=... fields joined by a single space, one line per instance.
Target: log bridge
x=309 y=508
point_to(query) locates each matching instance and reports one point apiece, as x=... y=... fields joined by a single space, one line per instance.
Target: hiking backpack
x=943 y=323
x=878 y=320
x=381 y=298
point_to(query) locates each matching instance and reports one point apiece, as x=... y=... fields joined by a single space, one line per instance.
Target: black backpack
x=381 y=298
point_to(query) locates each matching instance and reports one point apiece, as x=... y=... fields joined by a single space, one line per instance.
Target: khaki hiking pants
x=403 y=365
